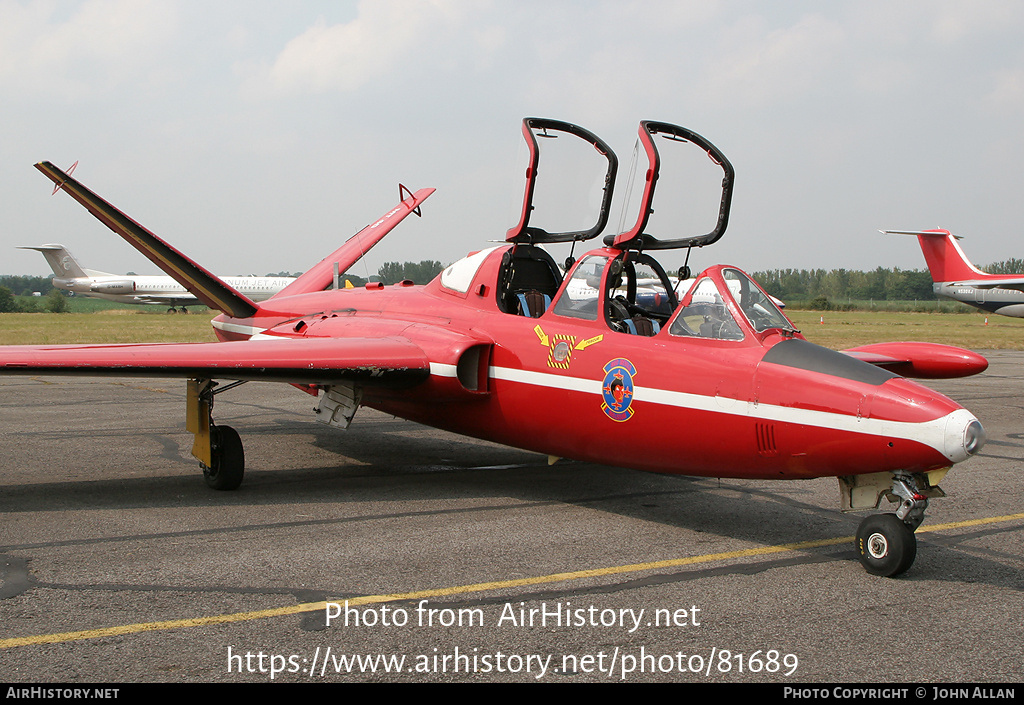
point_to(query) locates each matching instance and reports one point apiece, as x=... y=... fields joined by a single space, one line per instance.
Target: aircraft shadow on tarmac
x=394 y=461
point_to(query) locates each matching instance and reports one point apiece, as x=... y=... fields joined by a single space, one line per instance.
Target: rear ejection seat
x=528 y=280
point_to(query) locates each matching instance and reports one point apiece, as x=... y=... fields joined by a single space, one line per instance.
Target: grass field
x=851 y=328
x=110 y=326
x=841 y=329
x=87 y=304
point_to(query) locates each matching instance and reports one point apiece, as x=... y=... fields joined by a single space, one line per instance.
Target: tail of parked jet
x=946 y=261
x=956 y=278
x=63 y=263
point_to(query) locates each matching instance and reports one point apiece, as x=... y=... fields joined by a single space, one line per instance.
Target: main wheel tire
x=886 y=545
x=228 y=460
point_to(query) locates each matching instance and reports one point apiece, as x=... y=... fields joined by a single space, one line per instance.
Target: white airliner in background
x=132 y=289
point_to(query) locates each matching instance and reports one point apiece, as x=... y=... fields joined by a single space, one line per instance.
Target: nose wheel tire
x=886 y=545
x=228 y=460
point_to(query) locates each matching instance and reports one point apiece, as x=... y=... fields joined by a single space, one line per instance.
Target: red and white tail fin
x=946 y=261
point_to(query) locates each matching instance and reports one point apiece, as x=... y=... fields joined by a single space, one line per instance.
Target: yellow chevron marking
x=584 y=344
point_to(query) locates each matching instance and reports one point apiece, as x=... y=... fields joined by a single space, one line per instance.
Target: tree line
x=881 y=284
x=790 y=285
x=417 y=272
x=1007 y=266
x=53 y=302
x=21 y=285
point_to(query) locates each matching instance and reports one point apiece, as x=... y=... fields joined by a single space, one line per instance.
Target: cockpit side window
x=581 y=296
x=630 y=291
x=760 y=310
x=706 y=316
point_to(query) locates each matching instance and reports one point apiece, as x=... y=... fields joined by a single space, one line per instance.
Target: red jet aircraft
x=607 y=363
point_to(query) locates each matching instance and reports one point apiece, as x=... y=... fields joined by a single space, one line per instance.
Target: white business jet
x=70 y=276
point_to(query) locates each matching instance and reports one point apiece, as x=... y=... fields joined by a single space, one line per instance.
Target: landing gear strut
x=218 y=448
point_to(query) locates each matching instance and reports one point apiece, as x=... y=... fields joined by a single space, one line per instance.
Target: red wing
x=392 y=362
x=921 y=360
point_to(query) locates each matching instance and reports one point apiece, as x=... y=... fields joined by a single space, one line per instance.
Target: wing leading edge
x=206 y=287
x=385 y=362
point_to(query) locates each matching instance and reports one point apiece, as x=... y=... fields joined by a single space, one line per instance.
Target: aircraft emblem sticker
x=560 y=353
x=617 y=389
x=560 y=347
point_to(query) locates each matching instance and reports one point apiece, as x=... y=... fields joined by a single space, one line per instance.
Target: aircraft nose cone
x=974 y=437
x=965 y=436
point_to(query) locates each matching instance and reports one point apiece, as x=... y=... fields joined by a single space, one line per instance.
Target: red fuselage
x=766 y=405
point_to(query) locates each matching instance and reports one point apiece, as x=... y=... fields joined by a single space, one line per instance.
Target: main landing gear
x=885 y=542
x=218 y=448
x=227 y=464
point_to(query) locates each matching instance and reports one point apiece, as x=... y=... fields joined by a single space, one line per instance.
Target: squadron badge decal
x=617 y=389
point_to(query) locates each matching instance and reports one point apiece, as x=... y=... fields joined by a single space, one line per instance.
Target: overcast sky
x=256 y=136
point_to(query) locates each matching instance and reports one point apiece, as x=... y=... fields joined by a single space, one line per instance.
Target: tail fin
x=321 y=276
x=206 y=287
x=62 y=262
x=946 y=261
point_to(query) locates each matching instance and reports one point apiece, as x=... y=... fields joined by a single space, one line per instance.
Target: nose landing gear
x=885 y=543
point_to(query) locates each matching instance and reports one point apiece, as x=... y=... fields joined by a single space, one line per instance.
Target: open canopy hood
x=551 y=129
x=637 y=237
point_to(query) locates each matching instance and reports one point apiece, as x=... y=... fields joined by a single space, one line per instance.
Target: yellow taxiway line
x=463 y=589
